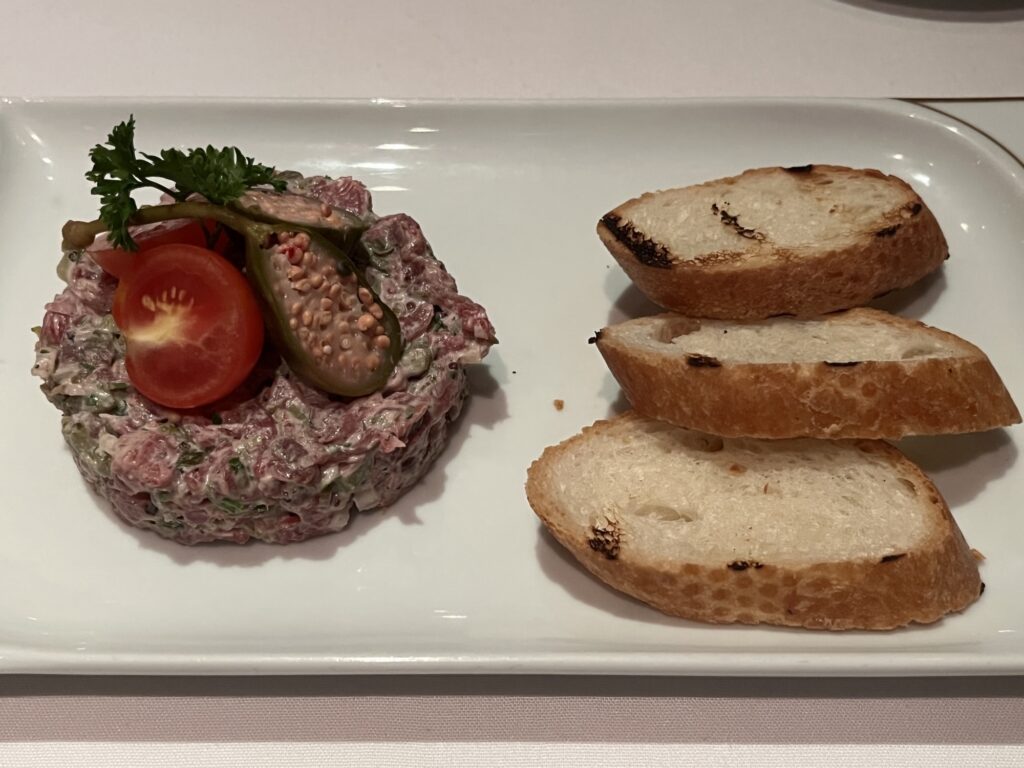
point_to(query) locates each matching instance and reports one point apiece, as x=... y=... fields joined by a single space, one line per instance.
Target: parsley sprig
x=219 y=175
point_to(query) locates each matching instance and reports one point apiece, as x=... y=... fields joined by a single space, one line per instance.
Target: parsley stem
x=148 y=182
x=81 y=234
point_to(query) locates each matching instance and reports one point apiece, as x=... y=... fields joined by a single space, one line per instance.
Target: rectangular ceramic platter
x=459 y=576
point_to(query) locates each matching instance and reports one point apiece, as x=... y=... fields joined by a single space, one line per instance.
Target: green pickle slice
x=329 y=325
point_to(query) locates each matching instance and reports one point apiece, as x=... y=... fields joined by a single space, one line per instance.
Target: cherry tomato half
x=192 y=327
x=121 y=263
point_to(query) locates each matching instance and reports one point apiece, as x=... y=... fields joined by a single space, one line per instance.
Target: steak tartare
x=279 y=460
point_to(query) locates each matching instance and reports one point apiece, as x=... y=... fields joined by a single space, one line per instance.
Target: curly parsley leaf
x=219 y=175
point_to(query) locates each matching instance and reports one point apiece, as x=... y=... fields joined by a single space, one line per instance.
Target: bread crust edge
x=922 y=586
x=872 y=399
x=809 y=282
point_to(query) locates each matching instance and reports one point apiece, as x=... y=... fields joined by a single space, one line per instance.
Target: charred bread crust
x=872 y=399
x=939 y=577
x=643 y=249
x=908 y=245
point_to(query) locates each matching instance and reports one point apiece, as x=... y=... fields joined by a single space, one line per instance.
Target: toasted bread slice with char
x=862 y=373
x=802 y=533
x=802 y=240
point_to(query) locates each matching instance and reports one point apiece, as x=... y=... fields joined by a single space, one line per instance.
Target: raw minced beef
x=280 y=461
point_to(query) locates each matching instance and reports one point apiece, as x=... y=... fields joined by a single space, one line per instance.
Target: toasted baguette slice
x=804 y=533
x=800 y=241
x=861 y=373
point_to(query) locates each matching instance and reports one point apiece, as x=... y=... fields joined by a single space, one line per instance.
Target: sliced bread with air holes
x=802 y=240
x=802 y=533
x=862 y=373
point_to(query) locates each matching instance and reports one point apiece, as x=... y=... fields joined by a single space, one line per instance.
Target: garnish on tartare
x=257 y=355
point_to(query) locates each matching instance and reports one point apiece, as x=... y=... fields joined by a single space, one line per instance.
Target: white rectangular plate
x=458 y=576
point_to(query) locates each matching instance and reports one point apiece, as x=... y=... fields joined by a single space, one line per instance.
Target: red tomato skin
x=121 y=263
x=192 y=326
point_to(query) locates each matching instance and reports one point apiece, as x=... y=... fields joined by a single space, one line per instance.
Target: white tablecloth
x=458 y=48
x=533 y=48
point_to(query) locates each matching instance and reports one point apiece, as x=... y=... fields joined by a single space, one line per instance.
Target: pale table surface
x=455 y=48
x=523 y=48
